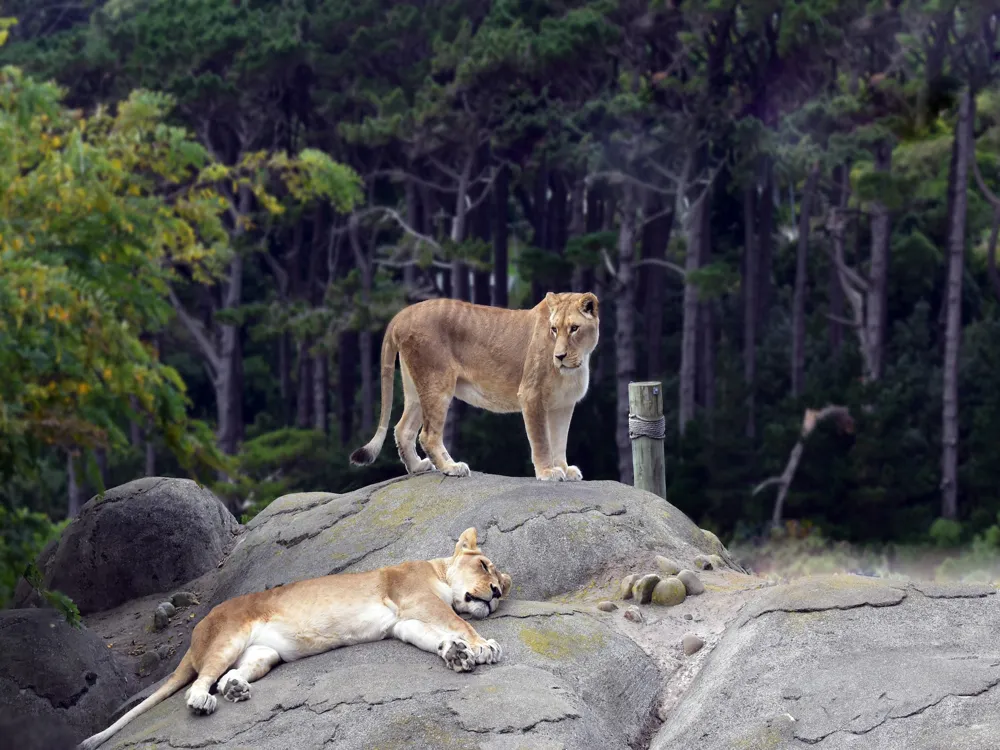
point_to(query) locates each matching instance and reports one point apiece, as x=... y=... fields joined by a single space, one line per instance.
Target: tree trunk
x=501 y=195
x=483 y=231
x=706 y=321
x=321 y=391
x=285 y=377
x=751 y=280
x=229 y=378
x=765 y=246
x=73 y=490
x=304 y=400
x=689 y=326
x=836 y=291
x=365 y=351
x=413 y=219
x=659 y=239
x=878 y=276
x=953 y=329
x=150 y=457
x=577 y=227
x=347 y=358
x=799 y=298
x=625 y=328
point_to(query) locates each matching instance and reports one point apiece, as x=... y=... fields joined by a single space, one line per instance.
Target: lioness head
x=476 y=584
x=574 y=327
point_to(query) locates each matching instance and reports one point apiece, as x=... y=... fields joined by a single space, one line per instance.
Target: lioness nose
x=561 y=357
x=496 y=592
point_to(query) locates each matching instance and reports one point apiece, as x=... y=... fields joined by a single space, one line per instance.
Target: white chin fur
x=477 y=609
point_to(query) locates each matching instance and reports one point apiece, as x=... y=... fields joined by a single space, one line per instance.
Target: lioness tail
x=184 y=673
x=367 y=453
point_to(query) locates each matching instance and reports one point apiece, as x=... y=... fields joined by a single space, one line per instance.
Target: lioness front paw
x=488 y=653
x=457 y=654
x=573 y=474
x=457 y=469
x=555 y=474
x=201 y=702
x=234 y=688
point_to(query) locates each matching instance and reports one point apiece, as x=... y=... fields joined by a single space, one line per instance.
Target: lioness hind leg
x=409 y=426
x=224 y=650
x=255 y=662
x=435 y=409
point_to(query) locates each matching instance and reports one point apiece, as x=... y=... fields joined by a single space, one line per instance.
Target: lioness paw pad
x=235 y=688
x=457 y=655
x=201 y=703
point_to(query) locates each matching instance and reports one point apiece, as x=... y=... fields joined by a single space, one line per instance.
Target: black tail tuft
x=362 y=456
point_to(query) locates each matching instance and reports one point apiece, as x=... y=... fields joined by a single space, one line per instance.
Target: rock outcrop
x=147 y=536
x=829 y=662
x=56 y=681
x=850 y=662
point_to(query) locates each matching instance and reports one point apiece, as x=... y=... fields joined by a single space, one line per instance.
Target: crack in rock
x=897 y=597
x=890 y=716
x=953 y=590
x=572 y=714
x=618 y=510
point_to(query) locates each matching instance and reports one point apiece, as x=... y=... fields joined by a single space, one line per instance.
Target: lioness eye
x=553 y=329
x=485 y=566
x=574 y=329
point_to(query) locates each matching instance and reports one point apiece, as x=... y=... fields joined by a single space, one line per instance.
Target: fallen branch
x=784 y=480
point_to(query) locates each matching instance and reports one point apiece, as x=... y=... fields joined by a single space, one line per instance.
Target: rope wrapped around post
x=643 y=427
x=647 y=428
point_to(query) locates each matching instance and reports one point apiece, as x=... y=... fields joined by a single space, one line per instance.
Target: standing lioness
x=242 y=639
x=535 y=361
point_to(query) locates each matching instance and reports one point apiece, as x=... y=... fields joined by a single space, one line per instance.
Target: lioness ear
x=588 y=304
x=505 y=584
x=551 y=300
x=467 y=542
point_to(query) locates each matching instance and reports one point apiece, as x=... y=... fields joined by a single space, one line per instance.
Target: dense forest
x=213 y=208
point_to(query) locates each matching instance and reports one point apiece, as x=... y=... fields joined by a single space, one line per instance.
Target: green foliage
x=945 y=532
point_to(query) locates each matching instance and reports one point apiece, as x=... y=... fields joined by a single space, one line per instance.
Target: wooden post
x=646 y=428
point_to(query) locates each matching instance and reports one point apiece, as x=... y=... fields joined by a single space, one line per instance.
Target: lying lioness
x=242 y=639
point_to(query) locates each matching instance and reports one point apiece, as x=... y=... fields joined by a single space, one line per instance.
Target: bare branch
x=212 y=359
x=608 y=264
x=662 y=264
x=615 y=174
x=983 y=187
x=809 y=421
x=444 y=168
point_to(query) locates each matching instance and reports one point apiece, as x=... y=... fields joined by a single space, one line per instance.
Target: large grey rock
x=551 y=537
x=563 y=683
x=850 y=662
x=150 y=535
x=56 y=681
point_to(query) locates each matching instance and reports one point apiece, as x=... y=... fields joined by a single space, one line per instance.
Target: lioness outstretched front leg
x=434 y=627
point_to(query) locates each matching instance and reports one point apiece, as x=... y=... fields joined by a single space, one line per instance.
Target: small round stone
x=607 y=606
x=687 y=616
x=627 y=583
x=160 y=618
x=717 y=562
x=147 y=663
x=669 y=592
x=168 y=608
x=184 y=599
x=667 y=566
x=703 y=562
x=632 y=614
x=692 y=644
x=713 y=540
x=692 y=583
x=642 y=589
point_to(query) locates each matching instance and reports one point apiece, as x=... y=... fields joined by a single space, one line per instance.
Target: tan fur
x=242 y=639
x=535 y=361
